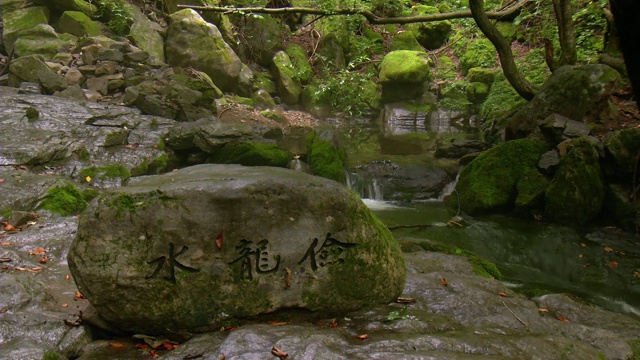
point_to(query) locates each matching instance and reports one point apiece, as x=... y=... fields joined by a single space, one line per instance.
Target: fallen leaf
x=6 y=243
x=219 y=240
x=620 y=253
x=78 y=295
x=229 y=328
x=502 y=294
x=586 y=265
x=543 y=310
x=153 y=354
x=142 y=346
x=43 y=260
x=279 y=353
x=116 y=345
x=334 y=323
x=403 y=300
x=169 y=346
x=614 y=264
x=65 y=305
x=320 y=323
x=580 y=256
x=1 y=181
x=636 y=274
x=37 y=251
x=73 y=323
x=277 y=323
x=444 y=282
x=583 y=245
x=4 y=267
x=363 y=336
x=8 y=227
x=132 y=146
x=88 y=179
x=562 y=318
x=35 y=269
x=4 y=260
x=21 y=167
x=67 y=277
x=608 y=249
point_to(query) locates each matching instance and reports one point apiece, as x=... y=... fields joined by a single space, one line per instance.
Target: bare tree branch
x=371 y=18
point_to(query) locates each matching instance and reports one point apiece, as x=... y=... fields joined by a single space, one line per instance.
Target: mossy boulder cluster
x=211 y=243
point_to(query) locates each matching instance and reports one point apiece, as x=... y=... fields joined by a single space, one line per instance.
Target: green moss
x=298 y=57
x=111 y=171
x=431 y=35
x=482 y=267
x=252 y=154
x=405 y=41
x=64 y=200
x=6 y=213
x=489 y=182
x=530 y=189
x=123 y=203
x=445 y=68
x=53 y=355
x=404 y=66
x=635 y=347
x=480 y=53
x=501 y=101
x=325 y=159
x=159 y=165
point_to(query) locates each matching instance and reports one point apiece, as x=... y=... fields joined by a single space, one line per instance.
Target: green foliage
x=480 y=53
x=352 y=93
x=116 y=14
x=398 y=315
x=502 y=100
x=454 y=95
x=590 y=26
x=53 y=355
x=534 y=67
x=324 y=158
x=64 y=200
x=6 y=213
x=482 y=267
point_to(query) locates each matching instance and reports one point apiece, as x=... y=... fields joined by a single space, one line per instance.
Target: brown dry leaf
x=228 y=328
x=116 y=345
x=6 y=243
x=636 y=274
x=65 y=305
x=334 y=323
x=608 y=249
x=1 y=181
x=614 y=264
x=502 y=294
x=562 y=318
x=583 y=245
x=132 y=146
x=37 y=251
x=620 y=253
x=67 y=277
x=44 y=259
x=580 y=256
x=219 y=240
x=142 y=346
x=444 y=282
x=169 y=346
x=73 y=323
x=34 y=269
x=78 y=295
x=4 y=260
x=543 y=310
x=279 y=353
x=363 y=336
x=403 y=300
x=153 y=354
x=8 y=227
x=586 y=265
x=277 y=323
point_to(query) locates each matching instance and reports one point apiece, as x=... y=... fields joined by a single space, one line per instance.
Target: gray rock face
x=192 y=42
x=189 y=249
x=31 y=68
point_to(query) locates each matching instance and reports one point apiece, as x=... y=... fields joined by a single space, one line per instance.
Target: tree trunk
x=567 y=36
x=626 y=14
x=521 y=85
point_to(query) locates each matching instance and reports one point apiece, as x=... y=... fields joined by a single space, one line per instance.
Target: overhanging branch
x=371 y=18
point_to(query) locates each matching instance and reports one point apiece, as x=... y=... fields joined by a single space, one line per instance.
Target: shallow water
x=597 y=265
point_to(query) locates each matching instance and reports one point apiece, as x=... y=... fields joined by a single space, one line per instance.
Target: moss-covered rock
x=501 y=101
x=483 y=75
x=576 y=192
x=579 y=93
x=325 y=156
x=251 y=154
x=21 y=19
x=530 y=189
x=78 y=24
x=480 y=53
x=477 y=92
x=405 y=40
x=431 y=35
x=619 y=208
x=445 y=68
x=622 y=148
x=300 y=62
x=263 y=37
x=41 y=40
x=64 y=200
x=490 y=181
x=286 y=75
x=106 y=172
x=403 y=74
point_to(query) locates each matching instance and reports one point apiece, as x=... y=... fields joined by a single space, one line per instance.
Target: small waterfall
x=448 y=189
x=365 y=187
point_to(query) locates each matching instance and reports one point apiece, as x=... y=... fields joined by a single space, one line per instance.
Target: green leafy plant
x=116 y=14
x=398 y=315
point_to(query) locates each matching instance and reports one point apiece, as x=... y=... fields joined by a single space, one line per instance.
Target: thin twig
x=516 y=316
x=418 y=226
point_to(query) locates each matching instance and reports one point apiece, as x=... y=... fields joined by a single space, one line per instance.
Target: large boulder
x=403 y=74
x=78 y=24
x=195 y=247
x=145 y=34
x=577 y=191
x=285 y=73
x=15 y=20
x=431 y=35
x=579 y=93
x=192 y=42
x=41 y=40
x=263 y=38
x=490 y=182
